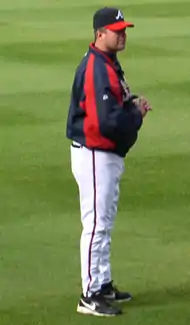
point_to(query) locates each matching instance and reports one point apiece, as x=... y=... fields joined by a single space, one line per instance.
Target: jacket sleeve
x=130 y=106
x=116 y=122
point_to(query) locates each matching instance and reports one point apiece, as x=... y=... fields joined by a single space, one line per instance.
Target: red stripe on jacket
x=94 y=138
x=114 y=84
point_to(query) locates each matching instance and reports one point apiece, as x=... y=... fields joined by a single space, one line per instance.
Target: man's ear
x=99 y=32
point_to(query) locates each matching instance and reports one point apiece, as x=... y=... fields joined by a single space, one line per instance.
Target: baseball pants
x=97 y=174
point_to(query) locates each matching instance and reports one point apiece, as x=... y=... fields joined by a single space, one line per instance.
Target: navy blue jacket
x=102 y=114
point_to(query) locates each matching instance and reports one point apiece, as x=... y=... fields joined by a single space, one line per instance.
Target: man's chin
x=121 y=47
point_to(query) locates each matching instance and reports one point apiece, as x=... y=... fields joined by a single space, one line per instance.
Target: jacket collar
x=109 y=57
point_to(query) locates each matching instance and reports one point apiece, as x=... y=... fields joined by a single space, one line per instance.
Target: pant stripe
x=95 y=220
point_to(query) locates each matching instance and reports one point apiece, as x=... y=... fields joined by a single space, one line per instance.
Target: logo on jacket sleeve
x=105 y=97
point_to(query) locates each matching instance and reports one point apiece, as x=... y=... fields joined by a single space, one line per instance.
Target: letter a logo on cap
x=119 y=15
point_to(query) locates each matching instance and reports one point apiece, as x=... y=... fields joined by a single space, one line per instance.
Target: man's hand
x=143 y=105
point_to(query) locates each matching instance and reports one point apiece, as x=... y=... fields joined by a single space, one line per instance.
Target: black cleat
x=97 y=305
x=112 y=293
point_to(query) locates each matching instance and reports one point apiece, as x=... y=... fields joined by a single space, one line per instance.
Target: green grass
x=41 y=42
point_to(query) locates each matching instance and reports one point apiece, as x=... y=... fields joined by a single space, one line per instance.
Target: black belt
x=76 y=144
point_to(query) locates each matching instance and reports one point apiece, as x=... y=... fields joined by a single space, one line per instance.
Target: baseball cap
x=110 y=18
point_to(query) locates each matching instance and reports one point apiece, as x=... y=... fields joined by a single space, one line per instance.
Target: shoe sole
x=86 y=311
x=123 y=300
x=119 y=301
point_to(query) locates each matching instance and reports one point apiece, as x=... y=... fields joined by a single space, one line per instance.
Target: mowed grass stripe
x=145 y=27
x=18 y=77
x=149 y=9
x=59 y=52
x=42 y=4
x=33 y=108
x=40 y=180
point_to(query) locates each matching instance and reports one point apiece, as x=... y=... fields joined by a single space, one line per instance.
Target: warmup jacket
x=101 y=112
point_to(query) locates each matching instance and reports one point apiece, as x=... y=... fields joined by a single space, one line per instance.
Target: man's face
x=114 y=40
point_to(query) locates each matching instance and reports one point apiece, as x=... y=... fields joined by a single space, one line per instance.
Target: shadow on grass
x=56 y=309
x=162 y=297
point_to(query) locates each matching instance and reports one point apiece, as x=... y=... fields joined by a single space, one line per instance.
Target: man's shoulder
x=83 y=62
x=98 y=63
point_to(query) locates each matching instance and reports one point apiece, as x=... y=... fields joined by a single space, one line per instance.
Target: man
x=103 y=124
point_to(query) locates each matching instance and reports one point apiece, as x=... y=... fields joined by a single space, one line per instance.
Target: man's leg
x=105 y=265
x=107 y=288
x=94 y=177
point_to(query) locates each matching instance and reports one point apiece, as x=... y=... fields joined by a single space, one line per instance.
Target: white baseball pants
x=97 y=174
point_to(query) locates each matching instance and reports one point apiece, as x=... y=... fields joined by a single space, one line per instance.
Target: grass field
x=41 y=42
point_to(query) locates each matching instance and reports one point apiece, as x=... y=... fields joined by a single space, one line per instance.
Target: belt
x=76 y=144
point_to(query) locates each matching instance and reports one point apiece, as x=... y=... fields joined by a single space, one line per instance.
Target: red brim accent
x=119 y=26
